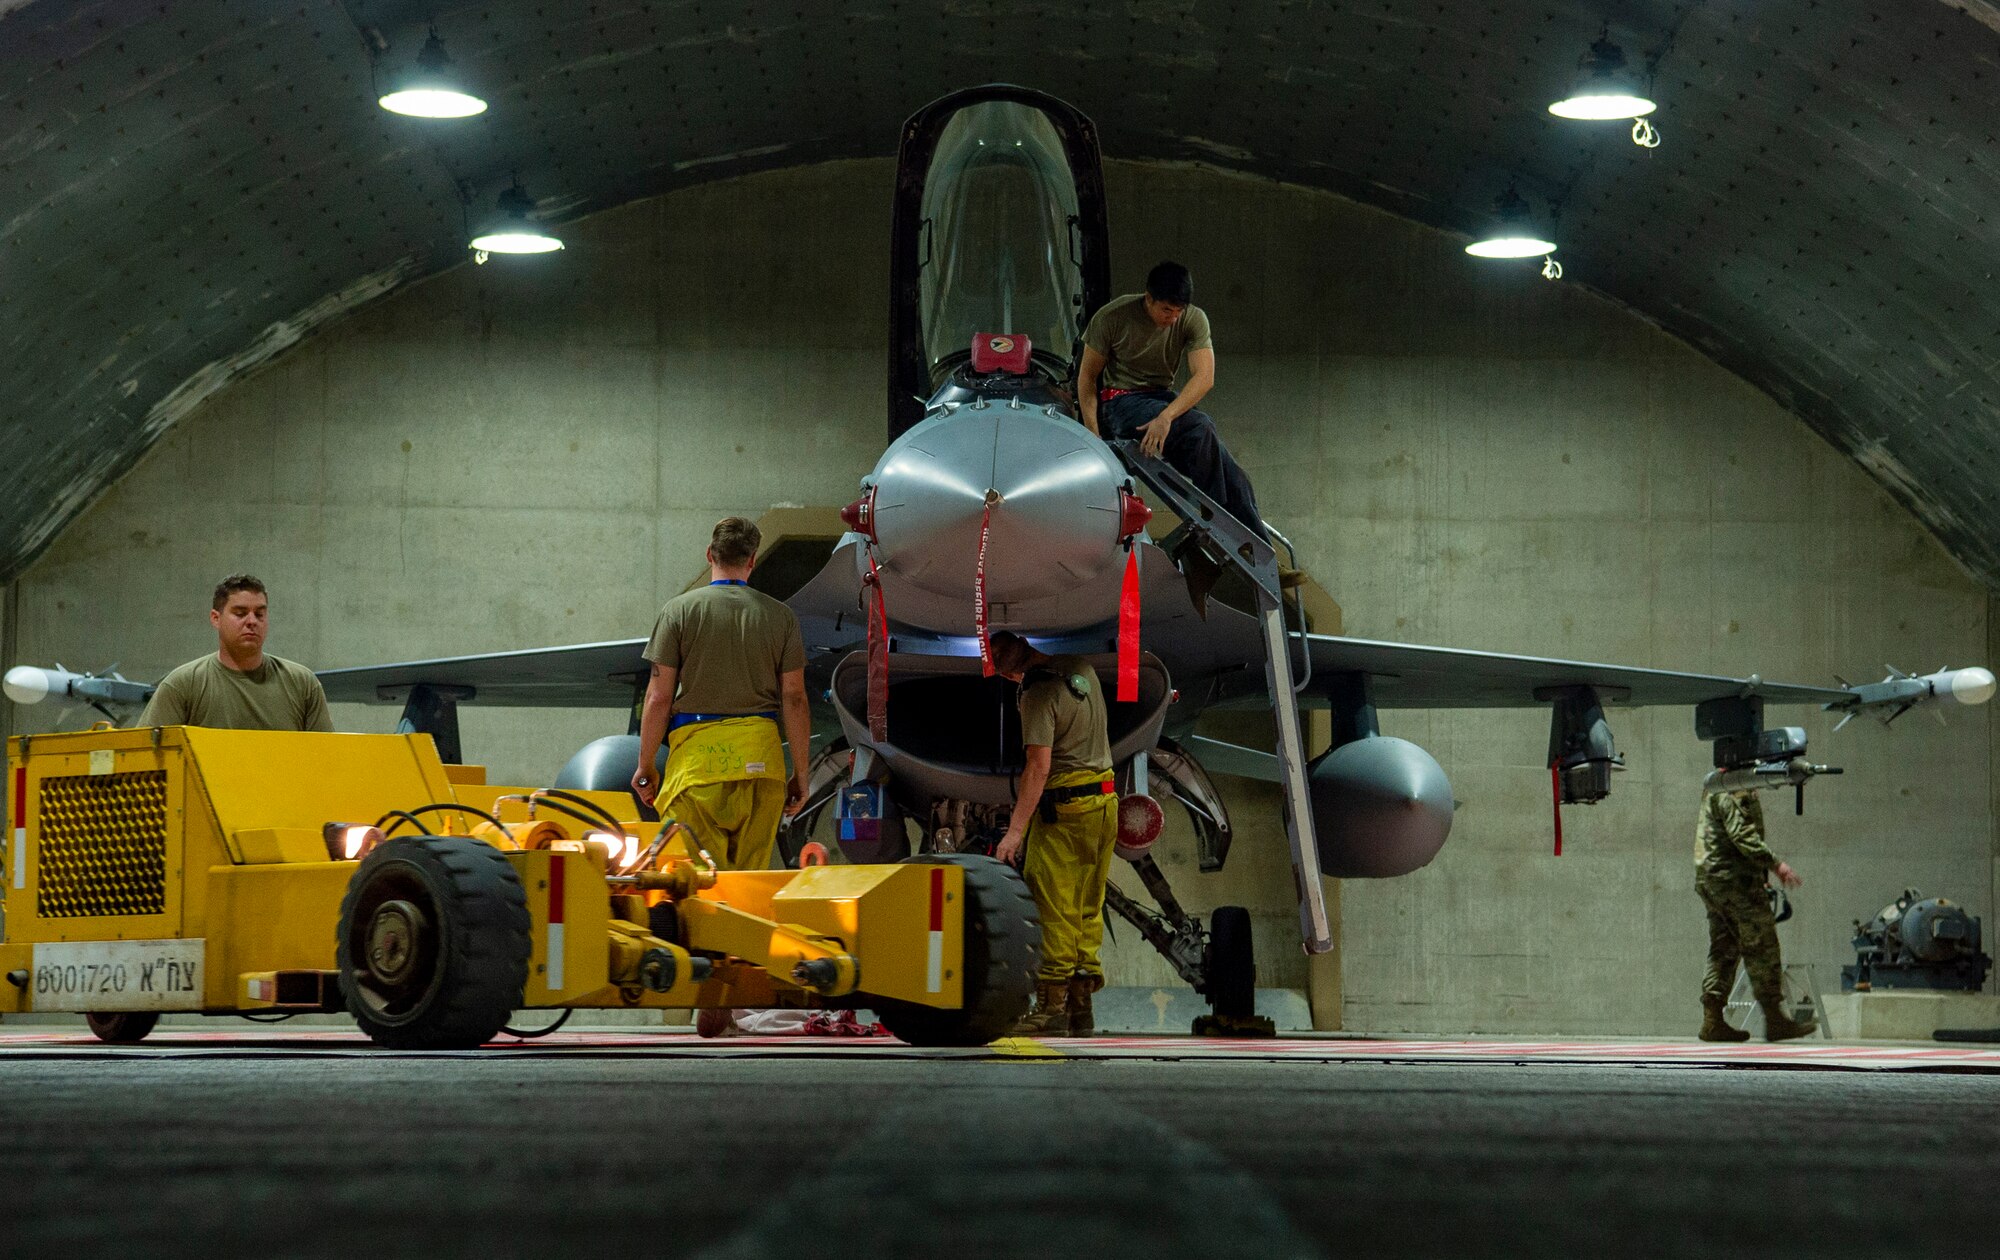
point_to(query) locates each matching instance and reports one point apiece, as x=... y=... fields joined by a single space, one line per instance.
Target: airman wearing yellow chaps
x=1065 y=821
x=728 y=668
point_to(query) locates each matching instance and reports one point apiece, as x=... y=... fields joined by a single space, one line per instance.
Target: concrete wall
x=531 y=452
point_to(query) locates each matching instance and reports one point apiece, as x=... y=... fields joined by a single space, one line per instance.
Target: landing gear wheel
x=1003 y=949
x=1229 y=978
x=122 y=1028
x=433 y=943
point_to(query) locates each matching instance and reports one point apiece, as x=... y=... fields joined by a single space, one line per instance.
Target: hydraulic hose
x=440 y=807
x=401 y=816
x=560 y=795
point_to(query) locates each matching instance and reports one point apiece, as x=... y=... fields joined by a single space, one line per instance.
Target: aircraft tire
x=1229 y=967
x=433 y=943
x=122 y=1028
x=1003 y=949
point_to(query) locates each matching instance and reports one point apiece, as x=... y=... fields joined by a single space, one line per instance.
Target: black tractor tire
x=1003 y=950
x=433 y=943
x=122 y=1028
x=1229 y=966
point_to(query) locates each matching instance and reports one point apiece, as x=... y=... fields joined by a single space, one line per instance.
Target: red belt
x=1106 y=395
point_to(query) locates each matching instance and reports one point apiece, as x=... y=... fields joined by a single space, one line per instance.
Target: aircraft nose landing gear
x=1229 y=979
x=1220 y=963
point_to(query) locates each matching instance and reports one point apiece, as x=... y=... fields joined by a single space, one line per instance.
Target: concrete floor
x=232 y=1149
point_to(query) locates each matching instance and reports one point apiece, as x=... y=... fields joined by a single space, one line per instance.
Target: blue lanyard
x=729 y=582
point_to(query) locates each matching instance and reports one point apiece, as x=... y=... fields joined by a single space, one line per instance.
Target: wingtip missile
x=31 y=684
x=1900 y=692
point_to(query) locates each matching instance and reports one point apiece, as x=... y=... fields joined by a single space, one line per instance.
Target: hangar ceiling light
x=1516 y=231
x=1606 y=89
x=431 y=88
x=512 y=229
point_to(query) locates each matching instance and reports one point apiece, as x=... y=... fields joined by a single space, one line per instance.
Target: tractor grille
x=103 y=845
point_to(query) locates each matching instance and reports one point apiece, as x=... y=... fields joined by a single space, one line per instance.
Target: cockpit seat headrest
x=1000 y=352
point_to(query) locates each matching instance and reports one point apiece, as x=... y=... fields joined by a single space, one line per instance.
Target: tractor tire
x=433 y=943
x=1229 y=966
x=1003 y=950
x=122 y=1028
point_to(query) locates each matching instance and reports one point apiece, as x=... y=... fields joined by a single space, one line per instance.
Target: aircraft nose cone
x=1051 y=490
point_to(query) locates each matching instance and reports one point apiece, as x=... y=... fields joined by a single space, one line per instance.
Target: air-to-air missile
x=1901 y=692
x=29 y=684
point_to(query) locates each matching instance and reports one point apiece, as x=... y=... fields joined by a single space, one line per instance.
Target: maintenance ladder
x=1205 y=524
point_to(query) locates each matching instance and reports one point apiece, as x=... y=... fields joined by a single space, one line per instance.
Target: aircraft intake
x=954 y=734
x=1381 y=807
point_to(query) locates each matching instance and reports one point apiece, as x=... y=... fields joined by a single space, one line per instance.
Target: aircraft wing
x=578 y=676
x=1411 y=676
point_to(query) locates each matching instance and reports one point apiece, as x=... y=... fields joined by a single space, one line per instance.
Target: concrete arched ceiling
x=188 y=188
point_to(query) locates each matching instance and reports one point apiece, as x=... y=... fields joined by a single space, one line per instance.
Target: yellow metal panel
x=884 y=915
x=270 y=918
x=465 y=774
x=571 y=951
x=281 y=844
x=256 y=779
x=101 y=854
x=749 y=891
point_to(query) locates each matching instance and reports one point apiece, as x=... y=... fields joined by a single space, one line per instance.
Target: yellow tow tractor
x=248 y=872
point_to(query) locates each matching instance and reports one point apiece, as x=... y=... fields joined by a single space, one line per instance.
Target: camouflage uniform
x=1732 y=864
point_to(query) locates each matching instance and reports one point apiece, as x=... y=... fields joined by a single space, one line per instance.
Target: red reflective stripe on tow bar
x=937 y=899
x=20 y=796
x=556 y=888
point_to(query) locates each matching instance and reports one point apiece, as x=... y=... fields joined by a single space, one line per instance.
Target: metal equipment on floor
x=1917 y=942
x=231 y=872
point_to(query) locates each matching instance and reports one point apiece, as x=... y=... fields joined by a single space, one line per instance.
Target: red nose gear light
x=859 y=515
x=1140 y=821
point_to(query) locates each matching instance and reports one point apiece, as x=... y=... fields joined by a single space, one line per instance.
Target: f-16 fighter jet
x=994 y=508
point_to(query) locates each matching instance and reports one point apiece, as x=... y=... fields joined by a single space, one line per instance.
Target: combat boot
x=1049 y=1017
x=1779 y=1026
x=1715 y=1028
x=1082 y=1023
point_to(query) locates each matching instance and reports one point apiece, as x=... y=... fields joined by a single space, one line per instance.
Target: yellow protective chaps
x=1066 y=863
x=725 y=779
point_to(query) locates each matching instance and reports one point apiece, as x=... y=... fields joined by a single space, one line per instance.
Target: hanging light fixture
x=1516 y=232
x=511 y=229
x=431 y=88
x=1605 y=87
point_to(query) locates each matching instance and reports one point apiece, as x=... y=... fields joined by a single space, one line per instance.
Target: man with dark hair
x=1066 y=819
x=238 y=686
x=1132 y=351
x=728 y=667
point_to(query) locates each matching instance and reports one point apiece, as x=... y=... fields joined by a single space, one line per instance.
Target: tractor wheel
x=1229 y=967
x=433 y=943
x=1003 y=949
x=122 y=1028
